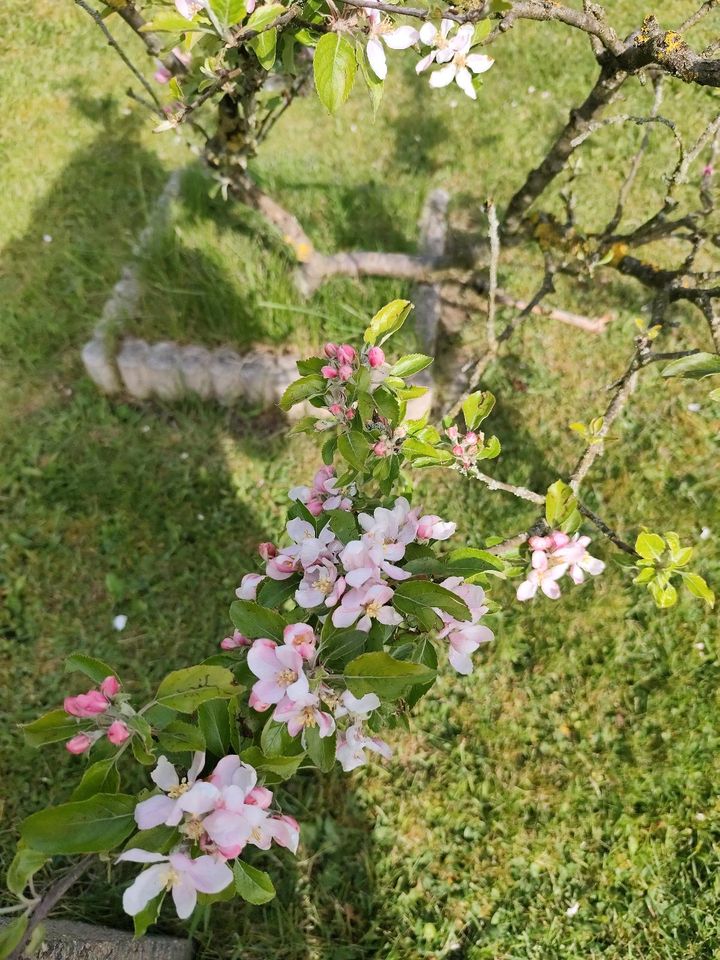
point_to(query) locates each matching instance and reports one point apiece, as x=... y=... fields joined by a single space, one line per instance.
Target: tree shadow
x=144 y=510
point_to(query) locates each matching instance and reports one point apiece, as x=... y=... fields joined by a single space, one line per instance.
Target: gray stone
x=132 y=363
x=163 y=365
x=257 y=378
x=69 y=940
x=100 y=366
x=226 y=370
x=195 y=369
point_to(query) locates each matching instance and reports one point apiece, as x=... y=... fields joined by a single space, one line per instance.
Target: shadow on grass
x=113 y=508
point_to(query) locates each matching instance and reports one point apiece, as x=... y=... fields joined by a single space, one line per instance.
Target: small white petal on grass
x=694 y=407
x=120 y=621
x=572 y=909
x=705 y=533
x=47 y=238
x=184 y=456
x=699 y=645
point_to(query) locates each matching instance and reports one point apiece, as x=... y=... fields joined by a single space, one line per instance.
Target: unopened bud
x=330 y=373
x=345 y=372
x=376 y=357
x=267 y=550
x=330 y=350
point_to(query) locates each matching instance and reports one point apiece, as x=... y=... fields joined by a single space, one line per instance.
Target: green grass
x=579 y=764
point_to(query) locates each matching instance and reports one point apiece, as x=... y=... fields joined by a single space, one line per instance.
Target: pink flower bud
x=235 y=641
x=708 y=170
x=256 y=703
x=336 y=409
x=330 y=350
x=85 y=705
x=425 y=527
x=259 y=797
x=345 y=372
x=457 y=450
x=376 y=357
x=329 y=372
x=540 y=543
x=380 y=449
x=453 y=433
x=110 y=687
x=345 y=353
x=471 y=437
x=162 y=74
x=267 y=550
x=314 y=506
x=117 y=732
x=79 y=743
x=559 y=539
x=349 y=414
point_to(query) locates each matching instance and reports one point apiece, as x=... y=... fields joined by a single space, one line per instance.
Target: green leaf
x=650 y=546
x=283 y=767
x=409 y=364
x=252 y=884
x=664 y=595
x=387 y=405
x=490 y=449
x=313 y=385
x=274 y=593
x=254 y=621
x=100 y=777
x=387 y=321
x=481 y=32
x=338 y=647
x=375 y=85
x=354 y=448
x=159 y=839
x=230 y=12
x=321 y=750
x=334 y=66
x=180 y=736
x=148 y=915
x=214 y=721
x=560 y=502
x=382 y=674
x=698 y=588
x=95 y=825
x=311 y=365
x=410 y=594
x=468 y=561
x=417 y=451
x=11 y=934
x=184 y=690
x=343 y=525
x=695 y=367
x=53 y=727
x=476 y=408
x=24 y=865
x=96 y=669
x=168 y=21
x=275 y=741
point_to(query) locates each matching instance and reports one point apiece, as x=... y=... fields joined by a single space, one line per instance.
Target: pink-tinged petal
x=556 y=572
x=285 y=710
x=136 y=855
x=357 y=578
x=428 y=33
x=388 y=616
x=397 y=573
x=401 y=39
x=289 y=658
x=198 y=762
x=118 y=733
x=326 y=724
x=550 y=589
x=345 y=615
x=299 y=493
x=441 y=78
x=200 y=798
x=226 y=828
x=249 y=586
x=423 y=64
x=78 y=744
x=256 y=703
x=463 y=78
x=460 y=661
x=153 y=811
x=379 y=746
x=540 y=543
x=285 y=831
x=259 y=797
x=376 y=57
x=576 y=574
x=463 y=38
x=478 y=62
x=539 y=560
x=110 y=687
x=165 y=774
x=262 y=659
x=146 y=887
x=184 y=896
x=222 y=775
x=593 y=565
x=267 y=691
x=295 y=725
x=309 y=597
x=209 y=875
x=527 y=590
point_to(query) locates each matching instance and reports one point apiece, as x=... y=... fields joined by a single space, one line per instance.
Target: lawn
x=562 y=802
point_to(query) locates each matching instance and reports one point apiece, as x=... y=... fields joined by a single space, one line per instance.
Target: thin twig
x=120 y=52
x=696 y=17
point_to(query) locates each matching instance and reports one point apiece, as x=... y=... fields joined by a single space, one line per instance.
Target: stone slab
x=72 y=940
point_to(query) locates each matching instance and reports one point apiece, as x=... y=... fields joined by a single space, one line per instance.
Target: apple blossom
x=464 y=636
x=444 y=46
x=178 y=796
x=376 y=356
x=303 y=712
x=236 y=640
x=307 y=546
x=361 y=707
x=575 y=552
x=110 y=687
x=399 y=38
x=352 y=744
x=302 y=637
x=369 y=603
x=459 y=69
x=81 y=743
x=280 y=568
x=177 y=872
x=188 y=8
x=249 y=586
x=546 y=579
x=330 y=350
x=320 y=584
x=86 y=705
x=118 y=732
x=267 y=550
x=431 y=527
x=279 y=669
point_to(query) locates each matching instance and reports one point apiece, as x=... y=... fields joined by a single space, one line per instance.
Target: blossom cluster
x=452 y=52
x=554 y=556
x=219 y=816
x=465 y=447
x=99 y=705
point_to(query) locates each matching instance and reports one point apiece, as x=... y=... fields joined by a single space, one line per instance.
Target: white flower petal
x=479 y=62
x=164 y=774
x=463 y=78
x=425 y=62
x=428 y=33
x=441 y=78
x=145 y=888
x=402 y=38
x=376 y=57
